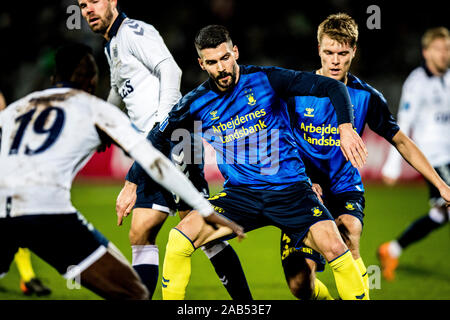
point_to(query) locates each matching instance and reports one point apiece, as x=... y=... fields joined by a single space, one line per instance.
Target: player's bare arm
x=412 y=154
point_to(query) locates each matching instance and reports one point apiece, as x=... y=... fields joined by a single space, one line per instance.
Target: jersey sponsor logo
x=214 y=115
x=322 y=130
x=309 y=112
x=239 y=120
x=242 y=131
x=126 y=89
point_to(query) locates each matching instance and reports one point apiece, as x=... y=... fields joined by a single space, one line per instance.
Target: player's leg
x=228 y=267
x=324 y=237
x=389 y=252
x=112 y=277
x=72 y=245
x=298 y=212
x=193 y=232
x=29 y=283
x=145 y=225
x=183 y=240
x=300 y=265
x=350 y=228
x=152 y=207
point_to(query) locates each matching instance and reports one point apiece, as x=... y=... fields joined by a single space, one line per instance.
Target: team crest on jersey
x=309 y=112
x=250 y=97
x=349 y=206
x=115 y=52
x=316 y=212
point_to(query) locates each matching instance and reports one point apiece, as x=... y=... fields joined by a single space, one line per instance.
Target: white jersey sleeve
x=149 y=48
x=116 y=125
x=406 y=116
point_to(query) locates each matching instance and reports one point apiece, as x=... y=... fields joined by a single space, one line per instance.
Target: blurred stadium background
x=278 y=33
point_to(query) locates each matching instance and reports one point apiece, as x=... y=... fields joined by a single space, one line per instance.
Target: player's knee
x=335 y=249
x=350 y=225
x=138 y=236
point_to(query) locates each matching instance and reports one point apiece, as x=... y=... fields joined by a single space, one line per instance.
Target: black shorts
x=434 y=194
x=293 y=210
x=64 y=241
x=352 y=203
x=150 y=194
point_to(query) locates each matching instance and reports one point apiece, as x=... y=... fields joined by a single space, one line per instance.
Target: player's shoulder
x=196 y=95
x=133 y=27
x=416 y=79
x=356 y=83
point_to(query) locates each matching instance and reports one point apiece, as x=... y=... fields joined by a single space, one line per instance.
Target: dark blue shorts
x=62 y=240
x=293 y=210
x=151 y=195
x=352 y=203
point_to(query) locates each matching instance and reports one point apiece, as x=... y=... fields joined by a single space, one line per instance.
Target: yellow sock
x=177 y=266
x=23 y=262
x=348 y=280
x=363 y=271
x=321 y=291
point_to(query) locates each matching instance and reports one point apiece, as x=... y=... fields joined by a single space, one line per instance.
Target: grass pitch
x=423 y=274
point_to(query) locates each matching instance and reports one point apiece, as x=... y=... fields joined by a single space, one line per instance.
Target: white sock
x=145 y=254
x=395 y=249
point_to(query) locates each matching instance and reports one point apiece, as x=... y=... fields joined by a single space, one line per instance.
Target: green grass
x=424 y=271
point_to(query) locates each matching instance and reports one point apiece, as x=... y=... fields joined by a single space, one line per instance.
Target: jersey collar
x=427 y=71
x=116 y=25
x=66 y=84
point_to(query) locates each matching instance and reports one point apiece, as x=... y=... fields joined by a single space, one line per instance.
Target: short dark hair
x=211 y=37
x=67 y=59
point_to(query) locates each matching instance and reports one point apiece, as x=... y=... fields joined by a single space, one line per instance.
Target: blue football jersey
x=249 y=125
x=316 y=132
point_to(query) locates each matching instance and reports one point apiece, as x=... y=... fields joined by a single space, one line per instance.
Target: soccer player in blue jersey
x=317 y=134
x=244 y=116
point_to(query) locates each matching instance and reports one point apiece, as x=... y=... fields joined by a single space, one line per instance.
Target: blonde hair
x=433 y=34
x=340 y=27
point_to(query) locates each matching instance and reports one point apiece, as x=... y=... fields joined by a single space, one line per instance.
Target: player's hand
x=125 y=201
x=318 y=191
x=352 y=145
x=445 y=194
x=214 y=218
